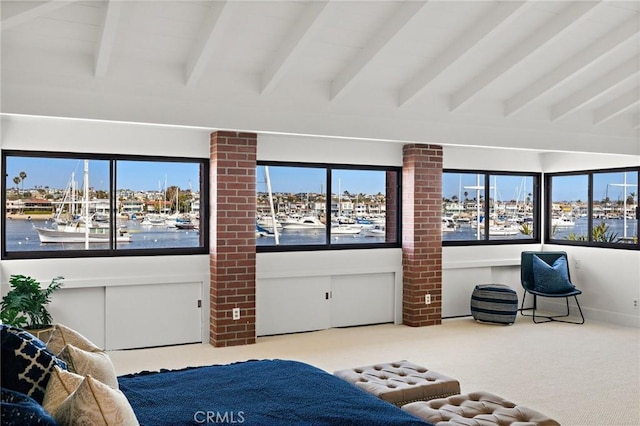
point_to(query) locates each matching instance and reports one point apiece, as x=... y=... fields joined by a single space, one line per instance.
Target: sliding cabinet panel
x=153 y=315
x=362 y=299
x=81 y=309
x=289 y=305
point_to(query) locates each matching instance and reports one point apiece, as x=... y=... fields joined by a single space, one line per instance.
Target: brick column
x=422 y=234
x=233 y=238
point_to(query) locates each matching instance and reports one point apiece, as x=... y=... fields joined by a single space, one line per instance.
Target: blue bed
x=259 y=392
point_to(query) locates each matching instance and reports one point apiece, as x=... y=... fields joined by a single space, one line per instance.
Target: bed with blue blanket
x=259 y=392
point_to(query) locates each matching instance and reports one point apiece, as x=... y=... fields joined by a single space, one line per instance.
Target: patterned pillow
x=96 y=364
x=19 y=409
x=62 y=383
x=62 y=335
x=26 y=362
x=94 y=403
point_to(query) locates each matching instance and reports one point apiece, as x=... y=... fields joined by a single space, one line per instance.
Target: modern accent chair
x=546 y=274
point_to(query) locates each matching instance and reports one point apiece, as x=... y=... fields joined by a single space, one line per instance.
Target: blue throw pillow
x=553 y=279
x=26 y=362
x=19 y=409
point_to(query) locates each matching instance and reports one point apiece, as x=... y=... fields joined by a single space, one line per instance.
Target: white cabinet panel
x=290 y=305
x=153 y=315
x=362 y=299
x=81 y=309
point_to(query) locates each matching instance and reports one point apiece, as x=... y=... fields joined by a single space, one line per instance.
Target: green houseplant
x=25 y=305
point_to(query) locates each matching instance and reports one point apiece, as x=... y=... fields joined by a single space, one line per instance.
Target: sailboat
x=78 y=233
x=81 y=230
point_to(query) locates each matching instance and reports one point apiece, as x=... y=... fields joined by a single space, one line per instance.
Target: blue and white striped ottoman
x=497 y=303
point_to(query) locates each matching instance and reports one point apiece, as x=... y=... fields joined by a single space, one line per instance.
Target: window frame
x=329 y=167
x=548 y=177
x=537 y=197
x=112 y=251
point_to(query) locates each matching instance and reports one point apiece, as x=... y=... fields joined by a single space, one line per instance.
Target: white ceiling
x=544 y=75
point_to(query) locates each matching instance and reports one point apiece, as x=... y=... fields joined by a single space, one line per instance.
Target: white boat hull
x=345 y=230
x=66 y=236
x=303 y=223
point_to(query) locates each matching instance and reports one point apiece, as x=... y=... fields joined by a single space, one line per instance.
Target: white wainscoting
x=152 y=315
x=121 y=313
x=295 y=304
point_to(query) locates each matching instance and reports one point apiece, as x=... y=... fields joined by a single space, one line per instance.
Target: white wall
x=611 y=278
x=81 y=302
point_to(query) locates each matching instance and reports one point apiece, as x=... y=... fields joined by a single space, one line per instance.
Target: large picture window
x=75 y=205
x=311 y=206
x=480 y=207
x=598 y=208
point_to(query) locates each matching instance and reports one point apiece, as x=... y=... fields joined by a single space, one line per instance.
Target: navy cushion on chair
x=553 y=279
x=26 y=362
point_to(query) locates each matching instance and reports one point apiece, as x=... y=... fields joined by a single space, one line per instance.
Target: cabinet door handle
x=326 y=296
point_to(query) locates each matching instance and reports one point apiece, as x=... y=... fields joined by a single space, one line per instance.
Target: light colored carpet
x=578 y=374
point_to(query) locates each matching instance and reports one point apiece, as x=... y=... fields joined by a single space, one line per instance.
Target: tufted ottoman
x=475 y=409
x=497 y=303
x=400 y=382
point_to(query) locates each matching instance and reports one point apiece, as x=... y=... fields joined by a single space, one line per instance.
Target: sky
x=152 y=176
x=297 y=180
x=566 y=188
x=135 y=175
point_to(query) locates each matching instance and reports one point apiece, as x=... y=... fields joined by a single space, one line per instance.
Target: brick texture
x=422 y=234
x=233 y=240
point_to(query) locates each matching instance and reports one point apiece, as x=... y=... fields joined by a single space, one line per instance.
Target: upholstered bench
x=400 y=382
x=496 y=303
x=477 y=408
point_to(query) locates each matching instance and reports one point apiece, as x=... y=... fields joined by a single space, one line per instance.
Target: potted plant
x=25 y=305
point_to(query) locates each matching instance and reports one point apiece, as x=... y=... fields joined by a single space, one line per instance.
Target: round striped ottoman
x=494 y=303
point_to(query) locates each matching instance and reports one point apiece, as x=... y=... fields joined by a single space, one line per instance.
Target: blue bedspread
x=260 y=392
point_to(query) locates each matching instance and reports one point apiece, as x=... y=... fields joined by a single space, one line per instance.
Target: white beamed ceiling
x=540 y=75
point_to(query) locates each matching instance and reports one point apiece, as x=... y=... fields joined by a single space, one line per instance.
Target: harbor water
x=21 y=236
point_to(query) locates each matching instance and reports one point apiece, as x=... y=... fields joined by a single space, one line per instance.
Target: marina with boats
x=77 y=216
x=293 y=219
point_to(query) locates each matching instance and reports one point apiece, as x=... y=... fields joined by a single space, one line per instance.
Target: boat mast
x=86 y=205
x=477 y=187
x=273 y=213
x=624 y=186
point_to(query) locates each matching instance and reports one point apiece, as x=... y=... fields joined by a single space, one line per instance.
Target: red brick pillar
x=421 y=234
x=233 y=238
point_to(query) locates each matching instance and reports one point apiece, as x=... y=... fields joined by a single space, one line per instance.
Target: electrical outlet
x=635 y=303
x=236 y=313
x=427 y=299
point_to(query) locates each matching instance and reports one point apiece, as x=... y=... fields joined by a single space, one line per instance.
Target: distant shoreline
x=29 y=217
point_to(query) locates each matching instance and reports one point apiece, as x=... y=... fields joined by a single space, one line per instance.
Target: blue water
x=316 y=236
x=616 y=226
x=22 y=237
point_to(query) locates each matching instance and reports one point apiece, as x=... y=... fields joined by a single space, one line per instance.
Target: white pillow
x=62 y=383
x=62 y=335
x=94 y=403
x=96 y=364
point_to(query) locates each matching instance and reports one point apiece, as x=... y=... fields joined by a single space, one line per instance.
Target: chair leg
x=524 y=296
x=535 y=307
x=549 y=318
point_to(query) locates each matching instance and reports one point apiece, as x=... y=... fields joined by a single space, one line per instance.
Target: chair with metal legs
x=546 y=274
